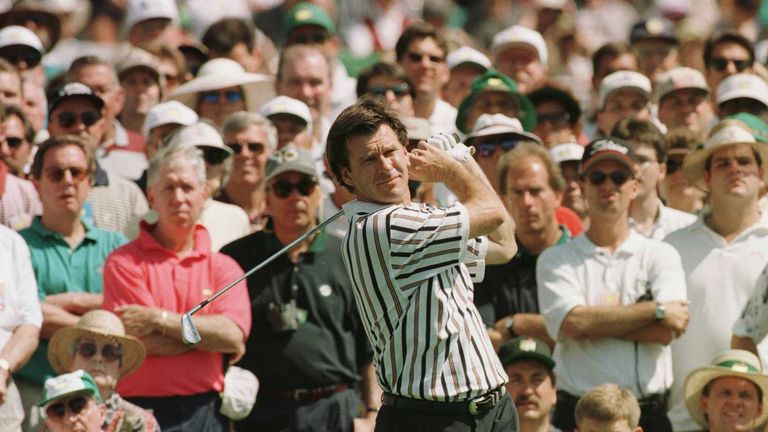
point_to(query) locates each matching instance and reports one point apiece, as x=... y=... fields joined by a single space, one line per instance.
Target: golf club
x=189 y=333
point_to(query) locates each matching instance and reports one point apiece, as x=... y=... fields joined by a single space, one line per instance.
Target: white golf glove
x=450 y=144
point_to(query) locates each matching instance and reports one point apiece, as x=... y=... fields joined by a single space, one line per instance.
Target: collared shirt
x=720 y=276
x=144 y=272
x=116 y=202
x=410 y=269
x=19 y=203
x=667 y=221
x=19 y=304
x=580 y=273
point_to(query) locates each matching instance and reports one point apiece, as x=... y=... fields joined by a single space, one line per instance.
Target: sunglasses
x=231 y=96
x=488 y=148
x=599 y=177
x=67 y=119
x=309 y=39
x=75 y=406
x=381 y=91
x=56 y=174
x=14 y=142
x=283 y=189
x=109 y=352
x=214 y=156
x=30 y=57
x=674 y=165
x=256 y=148
x=719 y=64
x=416 y=57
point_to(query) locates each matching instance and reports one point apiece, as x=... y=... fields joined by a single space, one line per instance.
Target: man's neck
x=68 y=225
x=286 y=235
x=249 y=197
x=536 y=241
x=132 y=121
x=730 y=219
x=180 y=240
x=645 y=211
x=424 y=105
x=608 y=231
x=538 y=425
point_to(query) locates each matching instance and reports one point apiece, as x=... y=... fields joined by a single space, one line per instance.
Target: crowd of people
x=548 y=215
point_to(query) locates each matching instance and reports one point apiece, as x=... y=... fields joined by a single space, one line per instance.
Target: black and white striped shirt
x=411 y=271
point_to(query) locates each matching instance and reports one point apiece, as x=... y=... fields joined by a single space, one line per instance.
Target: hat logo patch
x=654 y=26
x=286 y=155
x=740 y=367
x=494 y=82
x=303 y=14
x=528 y=345
x=608 y=145
x=325 y=290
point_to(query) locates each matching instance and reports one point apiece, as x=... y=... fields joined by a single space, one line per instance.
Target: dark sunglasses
x=14 y=142
x=256 y=148
x=674 y=165
x=720 y=63
x=67 y=119
x=313 y=38
x=231 y=96
x=599 y=177
x=416 y=57
x=381 y=91
x=109 y=352
x=214 y=156
x=56 y=174
x=283 y=189
x=30 y=57
x=488 y=147
x=75 y=406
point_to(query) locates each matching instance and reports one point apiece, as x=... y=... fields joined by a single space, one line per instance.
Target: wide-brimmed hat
x=96 y=323
x=499 y=124
x=731 y=363
x=726 y=133
x=221 y=73
x=493 y=80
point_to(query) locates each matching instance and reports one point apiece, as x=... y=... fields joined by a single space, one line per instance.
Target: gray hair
x=242 y=120
x=174 y=157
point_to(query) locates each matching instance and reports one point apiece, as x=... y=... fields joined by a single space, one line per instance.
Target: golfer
x=412 y=267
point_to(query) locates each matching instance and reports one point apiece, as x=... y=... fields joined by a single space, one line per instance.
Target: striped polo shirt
x=411 y=267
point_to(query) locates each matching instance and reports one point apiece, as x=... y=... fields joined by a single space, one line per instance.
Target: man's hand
x=430 y=164
x=139 y=320
x=365 y=424
x=450 y=144
x=676 y=317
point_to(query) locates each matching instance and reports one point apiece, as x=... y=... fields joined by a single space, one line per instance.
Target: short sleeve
x=29 y=304
x=667 y=274
x=558 y=288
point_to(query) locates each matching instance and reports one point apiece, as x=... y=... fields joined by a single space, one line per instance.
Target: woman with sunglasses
x=98 y=344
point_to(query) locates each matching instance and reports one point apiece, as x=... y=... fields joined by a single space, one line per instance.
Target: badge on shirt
x=325 y=290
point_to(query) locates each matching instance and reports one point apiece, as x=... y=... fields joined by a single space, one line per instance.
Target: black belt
x=473 y=406
x=305 y=395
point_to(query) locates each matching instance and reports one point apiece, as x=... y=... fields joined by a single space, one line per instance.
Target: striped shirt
x=411 y=268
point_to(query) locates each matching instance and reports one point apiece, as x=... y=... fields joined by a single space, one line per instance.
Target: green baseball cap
x=73 y=383
x=308 y=14
x=526 y=348
x=493 y=80
x=757 y=126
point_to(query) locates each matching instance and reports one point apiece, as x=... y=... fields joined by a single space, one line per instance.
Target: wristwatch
x=5 y=365
x=509 y=324
x=661 y=312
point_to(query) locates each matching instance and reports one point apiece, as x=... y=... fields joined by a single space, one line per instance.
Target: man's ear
x=345 y=179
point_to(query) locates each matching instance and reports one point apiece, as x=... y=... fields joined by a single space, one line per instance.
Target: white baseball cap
x=499 y=124
x=520 y=35
x=568 y=152
x=18 y=35
x=170 y=112
x=142 y=10
x=743 y=85
x=200 y=135
x=467 y=55
x=623 y=80
x=287 y=105
x=680 y=78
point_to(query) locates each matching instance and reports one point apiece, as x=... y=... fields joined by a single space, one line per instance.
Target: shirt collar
x=100 y=177
x=630 y=245
x=37 y=226
x=201 y=248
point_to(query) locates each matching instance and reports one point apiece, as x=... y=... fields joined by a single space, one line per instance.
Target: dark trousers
x=502 y=417
x=334 y=413
x=653 y=413
x=195 y=413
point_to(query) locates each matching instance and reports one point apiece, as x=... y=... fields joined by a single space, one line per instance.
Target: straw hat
x=731 y=363
x=96 y=323
x=222 y=73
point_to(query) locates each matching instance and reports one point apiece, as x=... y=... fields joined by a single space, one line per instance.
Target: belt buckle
x=473 y=407
x=296 y=394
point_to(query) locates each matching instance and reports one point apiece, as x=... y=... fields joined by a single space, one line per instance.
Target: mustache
x=524 y=399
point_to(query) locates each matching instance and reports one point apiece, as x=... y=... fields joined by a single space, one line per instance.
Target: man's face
x=492 y=102
x=655 y=56
x=102 y=80
x=101 y=358
x=19 y=150
x=393 y=92
x=75 y=414
x=178 y=196
x=35 y=104
x=530 y=199
x=610 y=65
x=78 y=116
x=216 y=105
x=251 y=153
x=64 y=184
x=732 y=405
x=156 y=136
x=424 y=64
x=531 y=387
x=728 y=58
x=572 y=197
x=10 y=89
x=152 y=34
x=521 y=63
x=459 y=84
x=308 y=79
x=293 y=200
x=734 y=173
x=142 y=91
x=622 y=104
x=553 y=124
x=650 y=171
x=291 y=130
x=607 y=197
x=589 y=425
x=688 y=108
x=675 y=186
x=378 y=167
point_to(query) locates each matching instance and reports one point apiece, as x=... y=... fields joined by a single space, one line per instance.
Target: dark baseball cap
x=72 y=90
x=526 y=348
x=653 y=28
x=607 y=148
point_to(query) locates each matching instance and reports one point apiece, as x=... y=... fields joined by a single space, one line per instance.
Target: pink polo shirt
x=144 y=272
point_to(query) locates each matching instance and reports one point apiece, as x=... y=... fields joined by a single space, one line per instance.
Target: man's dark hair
x=641 y=133
x=29 y=130
x=380 y=69
x=609 y=50
x=225 y=33
x=419 y=30
x=714 y=41
x=360 y=119
x=61 y=141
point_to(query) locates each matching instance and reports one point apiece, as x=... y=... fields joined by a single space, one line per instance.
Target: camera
x=283 y=317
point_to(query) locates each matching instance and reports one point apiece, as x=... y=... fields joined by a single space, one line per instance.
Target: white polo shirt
x=720 y=277
x=443 y=118
x=579 y=273
x=668 y=220
x=19 y=304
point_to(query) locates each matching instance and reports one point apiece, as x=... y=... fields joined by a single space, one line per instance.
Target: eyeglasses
x=381 y=91
x=56 y=174
x=214 y=156
x=14 y=142
x=283 y=189
x=256 y=148
x=488 y=147
x=417 y=57
x=674 y=165
x=310 y=38
x=231 y=96
x=109 y=352
x=599 y=177
x=67 y=119
x=556 y=119
x=720 y=64
x=31 y=58
x=75 y=406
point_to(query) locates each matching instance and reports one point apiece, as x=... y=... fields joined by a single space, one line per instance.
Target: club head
x=189 y=333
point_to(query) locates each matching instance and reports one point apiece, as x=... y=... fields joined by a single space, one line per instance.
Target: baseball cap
x=755 y=124
x=499 y=124
x=743 y=85
x=606 y=148
x=493 y=80
x=526 y=348
x=137 y=58
x=72 y=90
x=308 y=14
x=18 y=35
x=287 y=105
x=518 y=34
x=551 y=92
x=467 y=55
x=623 y=80
x=200 y=134
x=653 y=28
x=680 y=78
x=73 y=383
x=418 y=128
x=170 y=112
x=290 y=158
x=142 y=10
x=569 y=152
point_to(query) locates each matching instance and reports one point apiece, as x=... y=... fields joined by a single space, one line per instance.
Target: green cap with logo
x=493 y=80
x=308 y=14
x=756 y=125
x=290 y=158
x=526 y=348
x=69 y=384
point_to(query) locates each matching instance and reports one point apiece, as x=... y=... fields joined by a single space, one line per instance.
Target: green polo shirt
x=60 y=269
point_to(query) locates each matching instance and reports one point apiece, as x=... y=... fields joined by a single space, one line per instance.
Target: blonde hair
x=608 y=403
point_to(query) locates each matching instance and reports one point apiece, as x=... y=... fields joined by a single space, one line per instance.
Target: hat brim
x=530 y=355
x=526 y=113
x=695 y=162
x=92 y=97
x=62 y=342
x=608 y=155
x=287 y=168
x=258 y=88
x=54 y=30
x=699 y=378
x=68 y=394
x=502 y=130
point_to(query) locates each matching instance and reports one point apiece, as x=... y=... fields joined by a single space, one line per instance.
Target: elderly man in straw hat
x=98 y=344
x=729 y=394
